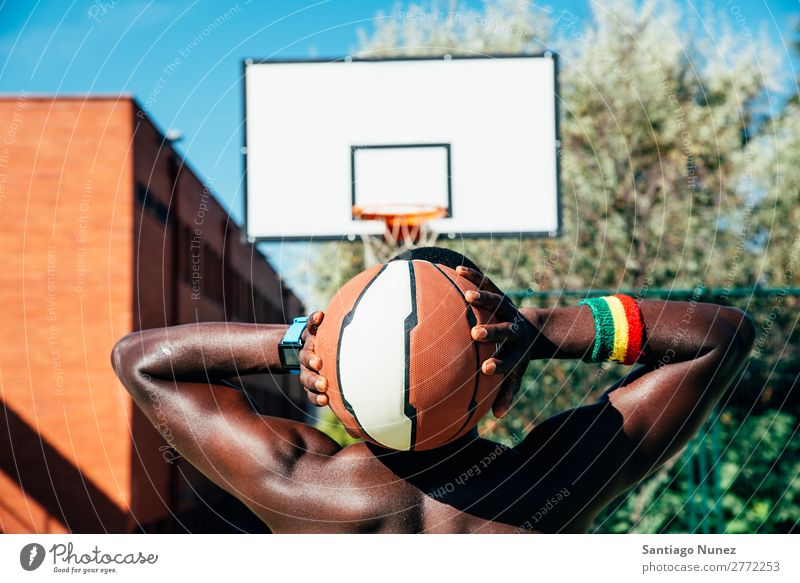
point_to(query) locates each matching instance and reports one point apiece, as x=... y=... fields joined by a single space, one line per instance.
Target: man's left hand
x=513 y=334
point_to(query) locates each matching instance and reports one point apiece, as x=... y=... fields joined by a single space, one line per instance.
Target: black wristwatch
x=289 y=348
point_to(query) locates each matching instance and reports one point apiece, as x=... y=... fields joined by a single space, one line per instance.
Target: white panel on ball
x=314 y=127
x=372 y=357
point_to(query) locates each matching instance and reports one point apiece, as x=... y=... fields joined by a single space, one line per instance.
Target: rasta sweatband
x=619 y=329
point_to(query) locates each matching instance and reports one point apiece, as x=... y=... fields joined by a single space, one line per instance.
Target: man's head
x=451 y=259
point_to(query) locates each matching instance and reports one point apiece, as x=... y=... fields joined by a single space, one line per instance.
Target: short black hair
x=447 y=257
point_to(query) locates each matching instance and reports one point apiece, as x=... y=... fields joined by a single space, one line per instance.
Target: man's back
x=480 y=487
x=555 y=480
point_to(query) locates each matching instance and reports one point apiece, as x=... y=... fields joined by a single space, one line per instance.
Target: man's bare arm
x=692 y=353
x=175 y=376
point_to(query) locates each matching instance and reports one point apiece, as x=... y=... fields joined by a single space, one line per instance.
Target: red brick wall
x=84 y=263
x=192 y=266
x=65 y=207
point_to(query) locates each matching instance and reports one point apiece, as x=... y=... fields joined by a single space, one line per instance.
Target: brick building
x=106 y=231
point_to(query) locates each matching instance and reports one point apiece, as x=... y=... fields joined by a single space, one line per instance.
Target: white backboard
x=477 y=136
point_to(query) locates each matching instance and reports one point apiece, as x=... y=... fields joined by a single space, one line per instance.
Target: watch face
x=291 y=356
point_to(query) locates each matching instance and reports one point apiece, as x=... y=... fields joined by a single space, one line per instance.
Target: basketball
x=402 y=367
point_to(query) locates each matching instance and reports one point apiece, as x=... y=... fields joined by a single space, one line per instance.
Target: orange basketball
x=402 y=368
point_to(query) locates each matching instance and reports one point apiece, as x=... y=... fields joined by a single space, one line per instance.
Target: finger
x=469 y=274
x=314 y=320
x=313 y=382
x=494 y=332
x=502 y=403
x=310 y=342
x=480 y=280
x=316 y=399
x=498 y=304
x=498 y=366
x=490 y=366
x=309 y=359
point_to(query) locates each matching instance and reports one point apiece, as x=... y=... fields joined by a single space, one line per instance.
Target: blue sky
x=113 y=46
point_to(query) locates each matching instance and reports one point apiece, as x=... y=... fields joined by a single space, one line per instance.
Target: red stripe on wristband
x=635 y=328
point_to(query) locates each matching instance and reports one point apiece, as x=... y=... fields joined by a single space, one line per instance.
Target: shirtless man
x=297 y=479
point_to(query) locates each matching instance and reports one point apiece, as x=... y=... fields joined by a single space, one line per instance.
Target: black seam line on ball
x=348 y=319
x=472 y=320
x=410 y=324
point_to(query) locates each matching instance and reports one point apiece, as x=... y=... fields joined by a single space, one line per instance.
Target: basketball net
x=407 y=226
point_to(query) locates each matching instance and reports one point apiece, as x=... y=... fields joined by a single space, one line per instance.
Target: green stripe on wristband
x=603 y=328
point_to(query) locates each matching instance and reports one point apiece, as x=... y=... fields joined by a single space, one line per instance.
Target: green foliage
x=674 y=174
x=335 y=264
x=773 y=174
x=743 y=481
x=513 y=26
x=760 y=474
x=329 y=424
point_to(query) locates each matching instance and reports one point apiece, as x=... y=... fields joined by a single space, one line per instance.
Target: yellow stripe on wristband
x=620 y=328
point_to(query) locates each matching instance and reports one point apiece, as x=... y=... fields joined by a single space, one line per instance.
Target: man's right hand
x=314 y=384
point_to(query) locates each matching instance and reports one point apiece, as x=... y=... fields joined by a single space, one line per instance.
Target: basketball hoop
x=407 y=226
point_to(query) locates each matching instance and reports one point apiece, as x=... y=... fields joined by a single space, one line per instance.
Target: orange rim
x=400 y=215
